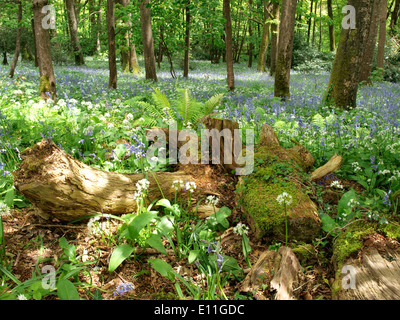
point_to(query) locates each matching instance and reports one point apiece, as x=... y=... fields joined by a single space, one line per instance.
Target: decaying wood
x=60 y=186
x=304 y=223
x=331 y=166
x=376 y=277
x=279 y=271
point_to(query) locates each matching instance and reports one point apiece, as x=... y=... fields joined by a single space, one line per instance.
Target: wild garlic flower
x=4 y=209
x=212 y=200
x=336 y=184
x=22 y=297
x=190 y=186
x=142 y=187
x=241 y=229
x=178 y=185
x=284 y=198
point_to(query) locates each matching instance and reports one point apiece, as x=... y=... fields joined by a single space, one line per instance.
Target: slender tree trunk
x=314 y=21
x=228 y=42
x=264 y=40
x=34 y=42
x=98 y=30
x=285 y=48
x=73 y=31
x=394 y=17
x=345 y=74
x=320 y=27
x=187 y=41
x=274 y=38
x=380 y=57
x=5 y=62
x=17 y=42
x=160 y=47
x=309 y=23
x=251 y=45
x=148 y=44
x=331 y=27
x=369 y=48
x=112 y=60
x=43 y=52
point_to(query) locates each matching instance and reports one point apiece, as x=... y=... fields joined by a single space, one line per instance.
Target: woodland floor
x=28 y=238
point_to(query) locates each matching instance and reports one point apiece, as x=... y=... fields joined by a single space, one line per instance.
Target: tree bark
x=309 y=23
x=148 y=44
x=259 y=191
x=369 y=49
x=17 y=42
x=187 y=41
x=264 y=38
x=281 y=271
x=394 y=17
x=34 y=42
x=285 y=48
x=228 y=43
x=380 y=57
x=59 y=186
x=274 y=38
x=331 y=27
x=112 y=60
x=5 y=62
x=345 y=75
x=73 y=31
x=43 y=53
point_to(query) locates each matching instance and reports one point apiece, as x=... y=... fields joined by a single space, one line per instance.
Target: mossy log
x=59 y=186
x=279 y=170
x=279 y=271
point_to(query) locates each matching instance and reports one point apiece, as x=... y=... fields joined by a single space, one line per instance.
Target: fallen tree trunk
x=60 y=186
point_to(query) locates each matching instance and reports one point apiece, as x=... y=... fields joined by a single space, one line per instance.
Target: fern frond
x=210 y=105
x=160 y=99
x=151 y=109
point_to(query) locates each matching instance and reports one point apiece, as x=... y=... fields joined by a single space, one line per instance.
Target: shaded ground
x=30 y=239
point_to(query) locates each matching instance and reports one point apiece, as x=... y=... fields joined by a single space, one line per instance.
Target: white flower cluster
x=336 y=184
x=142 y=186
x=190 y=186
x=4 y=209
x=352 y=203
x=284 y=198
x=241 y=229
x=395 y=176
x=212 y=200
x=356 y=166
x=178 y=185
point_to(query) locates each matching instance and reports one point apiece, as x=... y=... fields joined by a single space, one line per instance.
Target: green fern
x=212 y=103
x=187 y=107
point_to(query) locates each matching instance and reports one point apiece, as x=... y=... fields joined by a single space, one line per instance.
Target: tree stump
x=373 y=276
x=279 y=170
x=280 y=272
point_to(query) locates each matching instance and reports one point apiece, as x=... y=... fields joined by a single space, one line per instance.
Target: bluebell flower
x=123 y=288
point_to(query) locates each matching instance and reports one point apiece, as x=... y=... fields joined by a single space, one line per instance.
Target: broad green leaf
x=118 y=256
x=66 y=290
x=69 y=249
x=9 y=198
x=344 y=201
x=193 y=254
x=155 y=242
x=328 y=223
x=163 y=268
x=139 y=222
